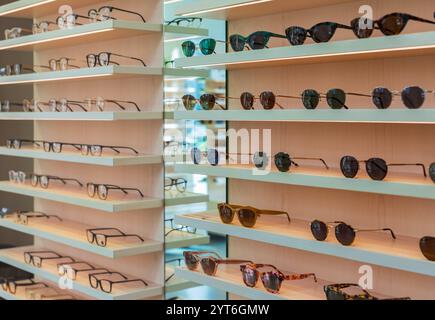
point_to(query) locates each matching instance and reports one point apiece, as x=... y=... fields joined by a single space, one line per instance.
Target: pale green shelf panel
x=422 y=116
x=173 y=198
x=177 y=284
x=183 y=239
x=358 y=49
x=13 y=258
x=172 y=73
x=81 y=116
x=76 y=157
x=179 y=33
x=414 y=190
x=76 y=238
x=80 y=198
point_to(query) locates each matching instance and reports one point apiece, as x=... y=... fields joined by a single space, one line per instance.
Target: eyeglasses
x=63 y=105
x=23 y=217
x=99 y=237
x=427 y=247
x=99 y=103
x=283 y=161
x=14 y=69
x=335 y=292
x=344 y=233
x=376 y=168
x=100 y=281
x=11 y=286
x=206 y=46
x=390 y=24
x=260 y=159
x=97 y=150
x=16 y=32
x=44 y=180
x=412 y=97
x=189 y=21
x=17 y=176
x=5 y=105
x=36 y=258
x=105 y=13
x=60 y=64
x=209 y=263
x=71 y=270
x=42 y=26
x=179 y=183
x=105 y=59
x=46 y=293
x=57 y=147
x=18 y=143
x=321 y=32
x=247 y=215
x=69 y=21
x=272 y=280
x=103 y=190
x=255 y=41
x=206 y=101
x=173 y=227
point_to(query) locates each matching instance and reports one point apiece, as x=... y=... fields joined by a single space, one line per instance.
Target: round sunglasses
x=427 y=247
x=206 y=101
x=376 y=168
x=344 y=233
x=412 y=97
x=209 y=263
x=283 y=161
x=321 y=32
x=255 y=41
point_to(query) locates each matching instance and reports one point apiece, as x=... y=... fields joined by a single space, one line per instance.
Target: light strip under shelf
x=224 y=8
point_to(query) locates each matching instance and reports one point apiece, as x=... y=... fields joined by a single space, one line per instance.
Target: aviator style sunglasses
x=100 y=281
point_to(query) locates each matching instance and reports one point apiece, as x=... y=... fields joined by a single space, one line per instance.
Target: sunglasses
x=36 y=258
x=103 y=190
x=16 y=32
x=206 y=46
x=210 y=263
x=389 y=25
x=99 y=103
x=61 y=64
x=97 y=150
x=206 y=101
x=71 y=270
x=412 y=97
x=260 y=159
x=105 y=13
x=105 y=59
x=18 y=143
x=335 y=292
x=344 y=233
x=179 y=183
x=12 y=286
x=283 y=162
x=272 y=280
x=44 y=180
x=99 y=237
x=100 y=281
x=255 y=41
x=427 y=247
x=247 y=215
x=173 y=228
x=14 y=69
x=376 y=168
x=321 y=32
x=41 y=27
x=187 y=21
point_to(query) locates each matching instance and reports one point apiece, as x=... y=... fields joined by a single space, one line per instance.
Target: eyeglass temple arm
x=121 y=147
x=135 y=189
x=316 y=159
x=122 y=101
x=109 y=273
x=78 y=104
x=64 y=180
x=422 y=166
x=231 y=261
x=129 y=281
x=128 y=57
x=124 y=235
x=343 y=26
x=275 y=213
x=421 y=19
x=174 y=260
x=377 y=230
x=128 y=11
x=276 y=35
x=300 y=276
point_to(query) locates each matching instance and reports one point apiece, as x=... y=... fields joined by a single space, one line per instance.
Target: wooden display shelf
x=229 y=279
x=175 y=283
x=174 y=198
x=422 y=116
x=82 y=116
x=332 y=179
x=78 y=196
x=73 y=234
x=375 y=248
x=87 y=33
x=183 y=239
x=76 y=157
x=359 y=49
x=242 y=9
x=15 y=257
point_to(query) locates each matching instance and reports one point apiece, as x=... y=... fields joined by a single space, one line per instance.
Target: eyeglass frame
x=107 y=237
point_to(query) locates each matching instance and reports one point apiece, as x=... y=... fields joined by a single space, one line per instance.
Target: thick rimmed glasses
x=36 y=258
x=103 y=190
x=257 y=40
x=71 y=270
x=174 y=227
x=100 y=281
x=99 y=103
x=44 y=180
x=11 y=285
x=105 y=13
x=97 y=150
x=19 y=143
x=179 y=183
x=100 y=236
x=105 y=58
x=57 y=147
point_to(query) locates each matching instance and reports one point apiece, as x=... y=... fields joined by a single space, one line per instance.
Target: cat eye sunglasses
x=321 y=32
x=255 y=41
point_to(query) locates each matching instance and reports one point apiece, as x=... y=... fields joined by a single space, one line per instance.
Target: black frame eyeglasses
x=179 y=183
x=12 y=285
x=44 y=180
x=106 y=285
x=174 y=228
x=97 y=150
x=283 y=161
x=57 y=147
x=103 y=190
x=321 y=32
x=71 y=270
x=188 y=20
x=99 y=237
x=104 y=59
x=36 y=258
x=105 y=13
x=99 y=103
x=376 y=168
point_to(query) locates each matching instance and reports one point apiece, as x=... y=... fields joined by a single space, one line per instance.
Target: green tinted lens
x=188 y=48
x=207 y=46
x=310 y=99
x=336 y=98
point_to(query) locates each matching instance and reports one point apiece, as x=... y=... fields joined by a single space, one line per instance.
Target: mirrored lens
x=345 y=234
x=377 y=168
x=413 y=97
x=310 y=99
x=349 y=166
x=319 y=230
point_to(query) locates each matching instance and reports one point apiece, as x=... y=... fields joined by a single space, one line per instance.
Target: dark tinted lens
x=226 y=214
x=432 y=171
x=427 y=246
x=319 y=230
x=190 y=260
x=413 y=97
x=349 y=166
x=336 y=98
x=189 y=101
x=333 y=295
x=323 y=32
x=296 y=35
x=392 y=24
x=283 y=162
x=209 y=266
x=360 y=27
x=271 y=282
x=237 y=42
x=207 y=101
x=213 y=157
x=268 y=100
x=377 y=168
x=188 y=48
x=345 y=234
x=196 y=155
x=247 y=100
x=261 y=160
x=310 y=99
x=207 y=46
x=258 y=40
x=247 y=217
x=250 y=277
x=382 y=98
